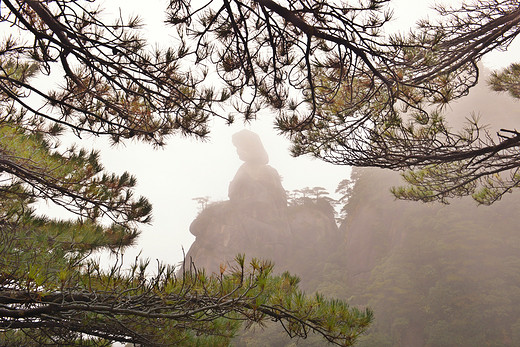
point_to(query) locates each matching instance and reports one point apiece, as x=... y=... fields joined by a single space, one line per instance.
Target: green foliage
x=507 y=80
x=189 y=308
x=467 y=175
x=72 y=179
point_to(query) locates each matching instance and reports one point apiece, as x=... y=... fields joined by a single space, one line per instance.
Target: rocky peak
x=256 y=219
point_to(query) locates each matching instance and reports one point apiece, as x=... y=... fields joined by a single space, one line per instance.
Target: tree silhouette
x=51 y=292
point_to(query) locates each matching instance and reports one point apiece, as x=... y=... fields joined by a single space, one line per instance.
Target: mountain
x=436 y=275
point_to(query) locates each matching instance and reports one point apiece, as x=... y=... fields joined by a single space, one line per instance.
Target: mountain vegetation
x=435 y=274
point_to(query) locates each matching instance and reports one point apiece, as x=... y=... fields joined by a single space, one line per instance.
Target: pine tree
x=51 y=291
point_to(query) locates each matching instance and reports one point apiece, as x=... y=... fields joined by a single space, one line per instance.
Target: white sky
x=188 y=168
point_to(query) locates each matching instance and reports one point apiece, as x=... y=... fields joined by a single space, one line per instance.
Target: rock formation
x=256 y=219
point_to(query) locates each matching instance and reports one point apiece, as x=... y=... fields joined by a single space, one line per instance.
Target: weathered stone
x=250 y=148
x=256 y=220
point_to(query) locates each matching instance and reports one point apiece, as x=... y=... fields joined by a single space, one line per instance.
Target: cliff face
x=372 y=229
x=257 y=221
x=253 y=221
x=295 y=238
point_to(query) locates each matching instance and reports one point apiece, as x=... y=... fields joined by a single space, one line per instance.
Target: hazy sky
x=188 y=168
